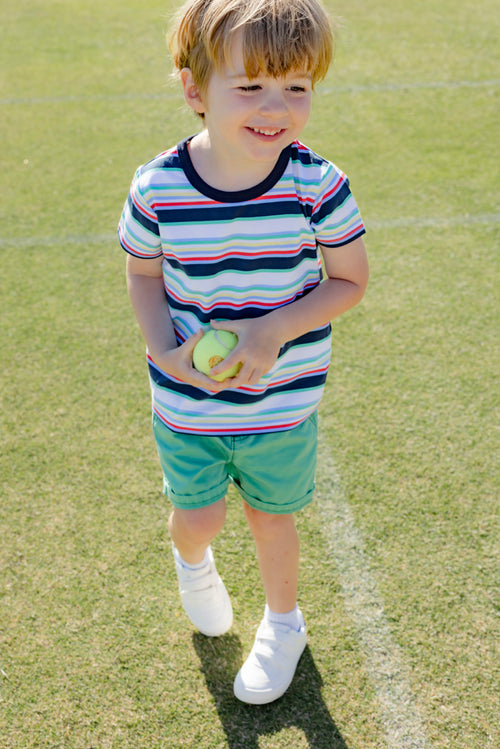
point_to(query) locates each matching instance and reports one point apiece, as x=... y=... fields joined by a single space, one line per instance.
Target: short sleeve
x=138 y=230
x=335 y=218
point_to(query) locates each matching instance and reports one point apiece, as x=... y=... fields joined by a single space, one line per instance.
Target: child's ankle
x=290 y=619
x=189 y=565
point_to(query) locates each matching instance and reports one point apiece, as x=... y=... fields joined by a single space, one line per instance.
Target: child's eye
x=248 y=89
x=297 y=89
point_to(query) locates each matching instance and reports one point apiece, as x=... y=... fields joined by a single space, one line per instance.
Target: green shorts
x=273 y=472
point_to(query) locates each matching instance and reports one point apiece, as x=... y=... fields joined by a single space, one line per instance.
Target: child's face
x=252 y=120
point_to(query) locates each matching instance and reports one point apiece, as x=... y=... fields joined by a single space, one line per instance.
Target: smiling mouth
x=266 y=131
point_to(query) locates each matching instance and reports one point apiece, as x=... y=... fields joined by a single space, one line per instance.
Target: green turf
x=95 y=650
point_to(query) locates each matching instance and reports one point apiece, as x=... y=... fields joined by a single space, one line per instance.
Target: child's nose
x=274 y=103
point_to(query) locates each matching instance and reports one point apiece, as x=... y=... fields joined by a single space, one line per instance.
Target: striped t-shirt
x=234 y=255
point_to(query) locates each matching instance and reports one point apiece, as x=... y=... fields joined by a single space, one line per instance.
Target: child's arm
x=147 y=295
x=346 y=277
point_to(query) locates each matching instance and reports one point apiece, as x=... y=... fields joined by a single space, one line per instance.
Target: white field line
x=54 y=240
x=328 y=90
x=371 y=224
x=385 y=662
x=388 y=87
x=422 y=222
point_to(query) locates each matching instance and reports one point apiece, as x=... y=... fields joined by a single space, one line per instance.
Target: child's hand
x=258 y=348
x=178 y=362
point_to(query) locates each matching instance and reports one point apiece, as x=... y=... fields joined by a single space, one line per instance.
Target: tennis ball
x=212 y=349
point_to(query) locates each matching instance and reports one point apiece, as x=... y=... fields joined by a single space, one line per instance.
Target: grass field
x=400 y=570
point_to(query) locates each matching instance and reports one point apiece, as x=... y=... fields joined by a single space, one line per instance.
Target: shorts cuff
x=195 y=501
x=277 y=509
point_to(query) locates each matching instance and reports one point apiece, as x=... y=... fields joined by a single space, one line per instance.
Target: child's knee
x=267 y=525
x=200 y=524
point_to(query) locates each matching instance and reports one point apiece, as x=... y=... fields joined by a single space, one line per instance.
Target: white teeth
x=266 y=132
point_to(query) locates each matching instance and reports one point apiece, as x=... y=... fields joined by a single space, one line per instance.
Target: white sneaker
x=204 y=597
x=269 y=669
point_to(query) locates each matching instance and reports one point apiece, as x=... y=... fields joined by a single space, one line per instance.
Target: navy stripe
x=350 y=239
x=216 y=313
x=306 y=157
x=196 y=214
x=313 y=336
x=220 y=312
x=243 y=264
x=330 y=205
x=162 y=161
x=237 y=397
x=141 y=219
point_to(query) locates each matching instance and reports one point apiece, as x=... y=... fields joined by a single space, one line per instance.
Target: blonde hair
x=279 y=36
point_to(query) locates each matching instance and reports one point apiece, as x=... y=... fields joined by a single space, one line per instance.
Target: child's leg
x=193 y=530
x=203 y=593
x=281 y=637
x=277 y=545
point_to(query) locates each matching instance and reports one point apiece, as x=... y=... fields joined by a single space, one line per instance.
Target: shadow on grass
x=302 y=706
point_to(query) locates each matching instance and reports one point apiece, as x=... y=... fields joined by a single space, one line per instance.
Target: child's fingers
x=230 y=361
x=191 y=342
x=231 y=325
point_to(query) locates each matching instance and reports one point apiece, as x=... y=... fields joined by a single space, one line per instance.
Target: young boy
x=228 y=229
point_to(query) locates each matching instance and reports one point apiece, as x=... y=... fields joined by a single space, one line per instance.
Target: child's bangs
x=277 y=38
x=278 y=49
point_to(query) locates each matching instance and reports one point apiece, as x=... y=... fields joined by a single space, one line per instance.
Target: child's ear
x=192 y=93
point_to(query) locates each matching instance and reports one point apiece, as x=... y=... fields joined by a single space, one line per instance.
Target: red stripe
x=218 y=432
x=134 y=251
x=195 y=203
x=245 y=303
x=142 y=210
x=240 y=253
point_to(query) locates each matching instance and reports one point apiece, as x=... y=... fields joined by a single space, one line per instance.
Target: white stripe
x=170 y=95
x=415 y=86
x=72 y=98
x=384 y=658
x=57 y=240
x=371 y=224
